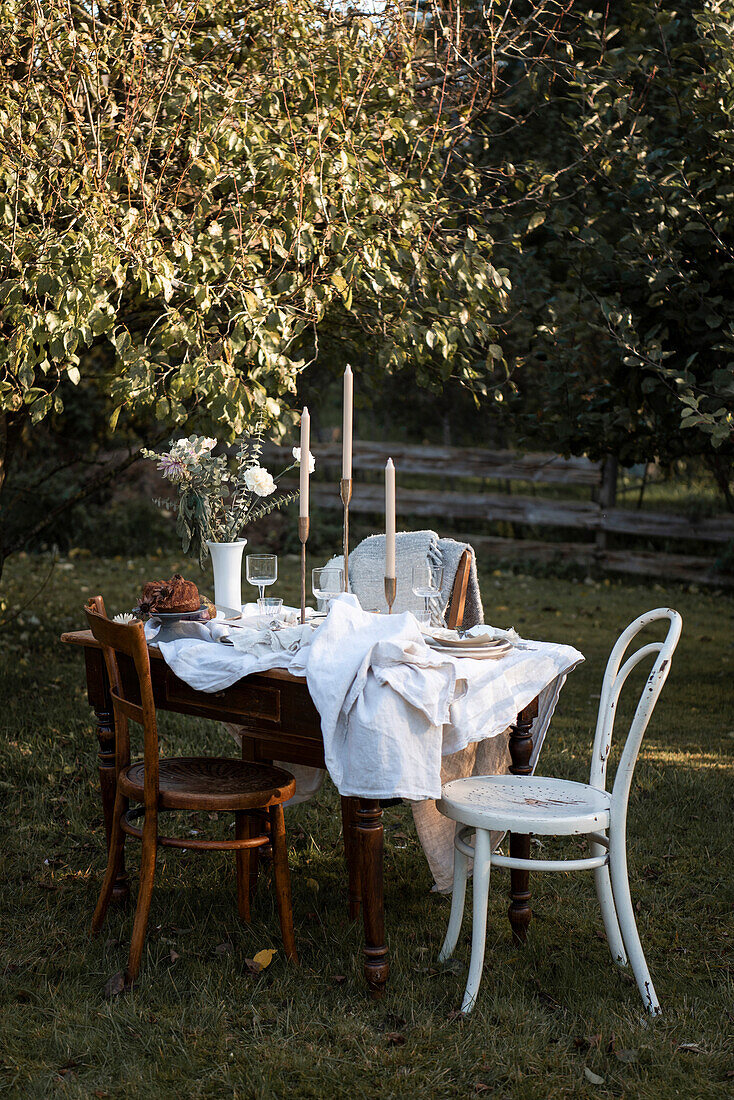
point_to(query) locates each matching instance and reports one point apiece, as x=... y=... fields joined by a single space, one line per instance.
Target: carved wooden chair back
x=457 y=603
x=128 y=638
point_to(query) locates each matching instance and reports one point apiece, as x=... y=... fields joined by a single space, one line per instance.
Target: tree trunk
x=722 y=470
x=607 y=494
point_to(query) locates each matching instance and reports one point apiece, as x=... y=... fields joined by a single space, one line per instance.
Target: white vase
x=227 y=564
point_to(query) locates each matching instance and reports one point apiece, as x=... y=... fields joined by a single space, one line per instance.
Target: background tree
x=197 y=201
x=607 y=179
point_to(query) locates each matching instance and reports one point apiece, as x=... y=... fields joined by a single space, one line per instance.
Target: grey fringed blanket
x=367 y=573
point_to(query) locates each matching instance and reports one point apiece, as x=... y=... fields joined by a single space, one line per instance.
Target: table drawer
x=247 y=700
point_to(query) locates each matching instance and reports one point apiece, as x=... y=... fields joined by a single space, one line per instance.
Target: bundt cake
x=174 y=597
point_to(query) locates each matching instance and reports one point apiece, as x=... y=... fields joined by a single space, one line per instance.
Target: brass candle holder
x=345 y=489
x=303 y=525
x=391 y=587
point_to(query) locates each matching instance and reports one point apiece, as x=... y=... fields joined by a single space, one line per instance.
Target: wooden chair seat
x=210 y=783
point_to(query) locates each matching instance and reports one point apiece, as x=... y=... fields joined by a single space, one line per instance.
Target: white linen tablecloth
x=391 y=708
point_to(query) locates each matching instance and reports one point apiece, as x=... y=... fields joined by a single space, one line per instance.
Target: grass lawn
x=200 y=1025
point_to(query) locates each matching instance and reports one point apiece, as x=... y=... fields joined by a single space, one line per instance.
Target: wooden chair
x=457 y=603
x=559 y=807
x=213 y=784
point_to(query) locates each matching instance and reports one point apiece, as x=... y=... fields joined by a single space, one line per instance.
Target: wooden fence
x=456 y=510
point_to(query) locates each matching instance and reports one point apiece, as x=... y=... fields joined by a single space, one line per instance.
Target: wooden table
x=282 y=723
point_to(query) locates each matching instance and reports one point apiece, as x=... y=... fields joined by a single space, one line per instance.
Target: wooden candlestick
x=345 y=489
x=391 y=587
x=303 y=524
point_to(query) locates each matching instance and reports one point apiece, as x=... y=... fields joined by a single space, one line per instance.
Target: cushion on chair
x=526 y=804
x=211 y=783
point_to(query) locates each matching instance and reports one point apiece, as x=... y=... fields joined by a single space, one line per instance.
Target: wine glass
x=327 y=582
x=262 y=570
x=427 y=583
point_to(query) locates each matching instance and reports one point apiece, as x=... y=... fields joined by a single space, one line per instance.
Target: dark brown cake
x=175 y=596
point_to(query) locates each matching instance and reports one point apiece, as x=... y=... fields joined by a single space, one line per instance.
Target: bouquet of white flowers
x=218 y=495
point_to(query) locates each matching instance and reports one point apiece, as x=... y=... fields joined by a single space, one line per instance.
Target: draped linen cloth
x=390 y=707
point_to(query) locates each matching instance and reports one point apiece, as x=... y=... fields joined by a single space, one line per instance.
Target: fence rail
x=455 y=508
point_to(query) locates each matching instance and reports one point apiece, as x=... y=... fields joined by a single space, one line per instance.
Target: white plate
x=200 y=616
x=483 y=653
x=452 y=638
x=482 y=641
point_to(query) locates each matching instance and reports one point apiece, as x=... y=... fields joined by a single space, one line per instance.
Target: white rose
x=311 y=459
x=184 y=449
x=259 y=481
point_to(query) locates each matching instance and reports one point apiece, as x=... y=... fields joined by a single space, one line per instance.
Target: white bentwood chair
x=559 y=807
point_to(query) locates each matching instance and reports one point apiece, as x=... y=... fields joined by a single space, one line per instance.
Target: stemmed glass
x=262 y=570
x=427 y=583
x=327 y=582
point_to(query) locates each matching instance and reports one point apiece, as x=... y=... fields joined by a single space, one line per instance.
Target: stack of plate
x=481 y=647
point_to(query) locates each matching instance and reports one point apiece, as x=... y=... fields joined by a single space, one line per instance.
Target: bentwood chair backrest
x=614 y=679
x=129 y=639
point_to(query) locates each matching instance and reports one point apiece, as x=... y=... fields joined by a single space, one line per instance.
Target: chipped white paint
x=558 y=807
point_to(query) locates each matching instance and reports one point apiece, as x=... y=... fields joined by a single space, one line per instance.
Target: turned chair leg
x=480 y=900
x=243 y=860
x=458 y=899
x=145 y=893
x=281 y=874
x=628 y=924
x=114 y=860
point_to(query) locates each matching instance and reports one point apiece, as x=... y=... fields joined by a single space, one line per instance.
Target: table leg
x=370 y=840
x=351 y=855
x=521 y=749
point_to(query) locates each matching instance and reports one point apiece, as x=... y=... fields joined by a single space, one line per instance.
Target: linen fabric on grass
x=390 y=706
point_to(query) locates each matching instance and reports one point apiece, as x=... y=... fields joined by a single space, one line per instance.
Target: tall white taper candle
x=347 y=418
x=390 y=519
x=305 y=455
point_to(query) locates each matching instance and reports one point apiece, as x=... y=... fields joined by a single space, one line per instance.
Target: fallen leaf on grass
x=68 y=1067
x=115 y=985
x=692 y=1048
x=627 y=1055
x=479 y=1086
x=395 y=1038
x=339 y=979
x=592 y=1078
x=223 y=949
x=264 y=957
x=455 y=1014
x=174 y=955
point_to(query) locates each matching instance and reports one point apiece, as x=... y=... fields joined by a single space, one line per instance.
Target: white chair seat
x=524 y=804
